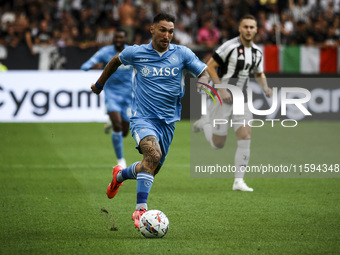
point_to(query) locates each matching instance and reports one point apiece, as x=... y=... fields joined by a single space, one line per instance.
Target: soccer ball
x=153 y=224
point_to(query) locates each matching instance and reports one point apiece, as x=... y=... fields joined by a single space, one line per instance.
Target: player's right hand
x=225 y=96
x=95 y=90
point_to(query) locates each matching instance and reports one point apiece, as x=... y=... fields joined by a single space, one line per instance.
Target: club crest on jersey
x=173 y=58
x=145 y=71
x=240 y=51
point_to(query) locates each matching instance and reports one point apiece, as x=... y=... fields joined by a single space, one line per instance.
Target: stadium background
x=298 y=38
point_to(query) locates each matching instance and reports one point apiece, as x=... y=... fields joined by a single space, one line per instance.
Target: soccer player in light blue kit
x=118 y=92
x=160 y=69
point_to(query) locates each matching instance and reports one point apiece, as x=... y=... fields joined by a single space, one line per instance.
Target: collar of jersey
x=171 y=46
x=239 y=39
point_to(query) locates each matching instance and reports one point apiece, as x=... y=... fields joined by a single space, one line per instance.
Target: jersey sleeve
x=222 y=52
x=126 y=56
x=192 y=63
x=96 y=58
x=87 y=65
x=259 y=63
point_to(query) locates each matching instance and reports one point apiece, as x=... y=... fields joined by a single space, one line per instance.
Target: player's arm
x=211 y=69
x=95 y=62
x=262 y=80
x=91 y=65
x=109 y=69
x=97 y=66
x=202 y=78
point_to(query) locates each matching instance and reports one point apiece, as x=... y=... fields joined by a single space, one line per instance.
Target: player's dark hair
x=121 y=30
x=248 y=16
x=164 y=16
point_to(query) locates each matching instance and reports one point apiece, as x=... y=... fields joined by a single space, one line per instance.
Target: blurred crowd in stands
x=200 y=23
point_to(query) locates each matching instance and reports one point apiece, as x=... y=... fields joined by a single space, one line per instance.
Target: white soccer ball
x=153 y=224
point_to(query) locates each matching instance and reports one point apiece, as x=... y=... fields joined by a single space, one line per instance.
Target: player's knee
x=157 y=156
x=243 y=133
x=245 y=136
x=117 y=127
x=125 y=133
x=217 y=145
x=151 y=150
x=153 y=157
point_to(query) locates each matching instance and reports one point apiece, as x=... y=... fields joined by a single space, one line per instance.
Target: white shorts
x=222 y=117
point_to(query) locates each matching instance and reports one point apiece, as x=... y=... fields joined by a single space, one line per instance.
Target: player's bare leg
x=151 y=155
x=242 y=157
x=125 y=125
x=216 y=141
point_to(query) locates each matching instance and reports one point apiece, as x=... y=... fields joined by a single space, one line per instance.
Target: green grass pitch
x=53 y=179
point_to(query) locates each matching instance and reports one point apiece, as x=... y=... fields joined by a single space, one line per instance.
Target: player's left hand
x=268 y=91
x=202 y=80
x=95 y=89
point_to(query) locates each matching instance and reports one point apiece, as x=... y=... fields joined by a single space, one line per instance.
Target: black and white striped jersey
x=236 y=62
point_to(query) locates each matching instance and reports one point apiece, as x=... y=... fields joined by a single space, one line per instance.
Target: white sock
x=207 y=129
x=241 y=158
x=237 y=180
x=140 y=206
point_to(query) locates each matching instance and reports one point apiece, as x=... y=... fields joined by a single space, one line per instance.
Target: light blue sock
x=144 y=184
x=117 y=141
x=128 y=173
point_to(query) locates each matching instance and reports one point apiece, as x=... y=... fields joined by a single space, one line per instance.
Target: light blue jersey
x=121 y=81
x=159 y=79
